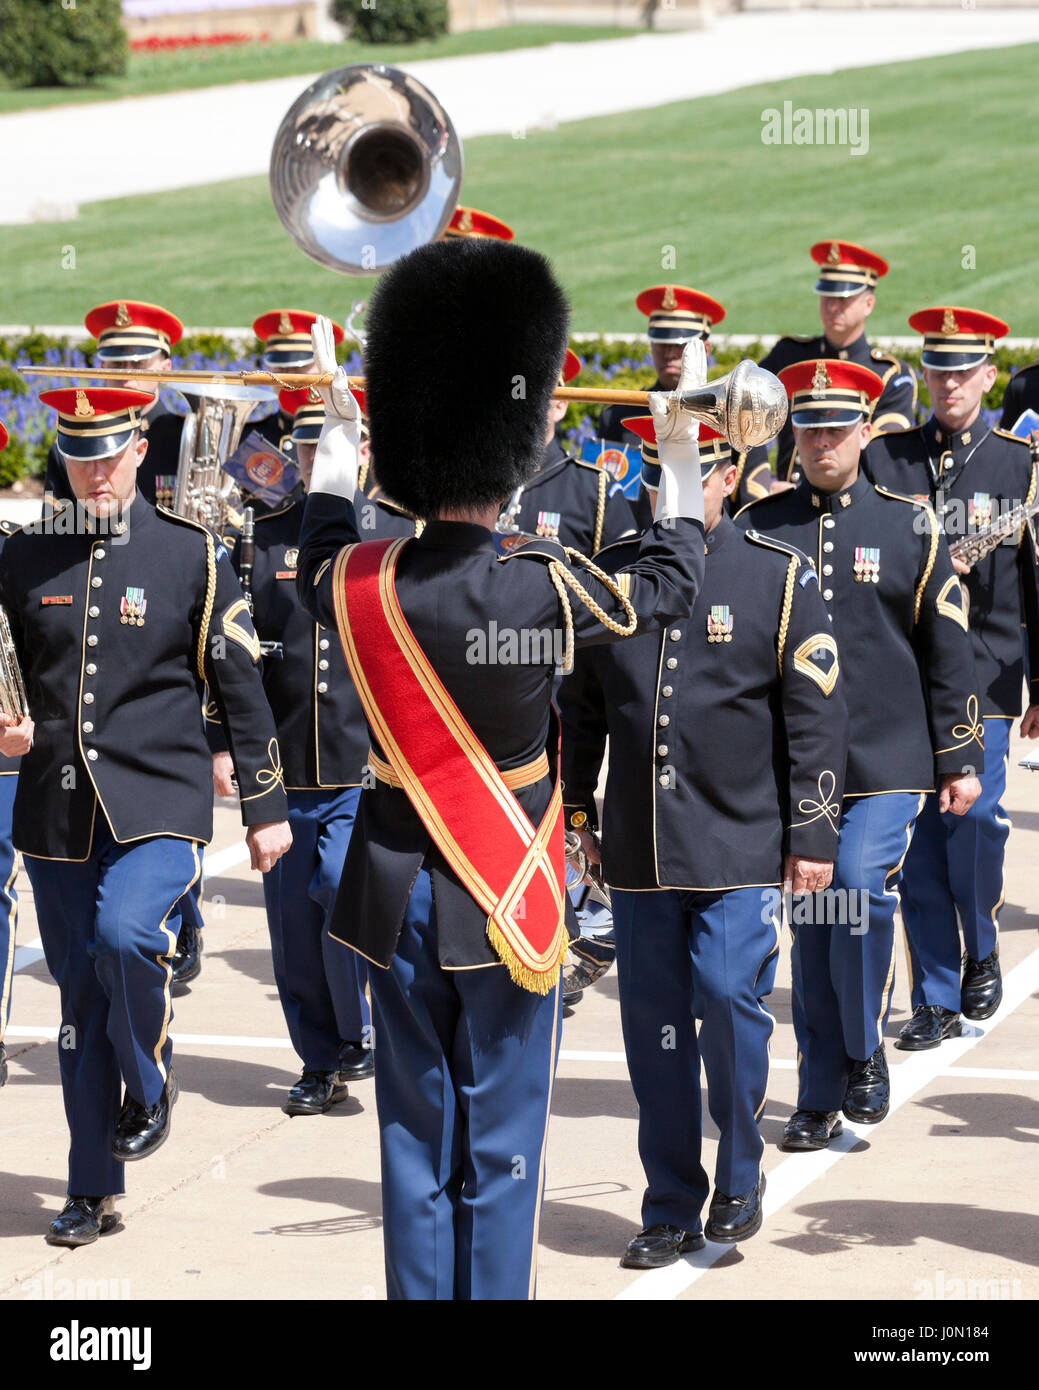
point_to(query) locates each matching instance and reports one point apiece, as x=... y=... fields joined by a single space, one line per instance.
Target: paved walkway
x=53 y=160
x=245 y=1202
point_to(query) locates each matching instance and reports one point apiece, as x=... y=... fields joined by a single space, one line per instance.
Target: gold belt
x=524 y=776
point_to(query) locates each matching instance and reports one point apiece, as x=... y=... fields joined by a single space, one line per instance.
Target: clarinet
x=247 y=557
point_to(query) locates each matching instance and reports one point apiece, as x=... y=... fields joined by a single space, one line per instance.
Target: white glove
x=680 y=492
x=337 y=459
x=337 y=397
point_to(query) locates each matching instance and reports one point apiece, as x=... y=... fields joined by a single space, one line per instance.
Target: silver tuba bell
x=365 y=167
x=203 y=491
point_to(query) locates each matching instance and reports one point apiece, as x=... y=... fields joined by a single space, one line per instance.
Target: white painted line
x=992 y=1074
x=28 y=954
x=181 y=1039
x=213 y=865
x=799 y=1171
x=567 y=1055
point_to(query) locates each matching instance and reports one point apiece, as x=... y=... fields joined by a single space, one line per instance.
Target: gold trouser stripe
x=12 y=925
x=524 y=776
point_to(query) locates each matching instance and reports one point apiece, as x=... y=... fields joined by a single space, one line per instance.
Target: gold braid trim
x=362 y=473
x=325 y=379
x=929 y=566
x=1033 y=454
x=610 y=583
x=788 y=598
x=555 y=569
x=600 y=511
x=207 y=611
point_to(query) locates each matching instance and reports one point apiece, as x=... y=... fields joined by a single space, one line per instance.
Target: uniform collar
x=857 y=351
x=720 y=534
x=958 y=441
x=456 y=535
x=823 y=502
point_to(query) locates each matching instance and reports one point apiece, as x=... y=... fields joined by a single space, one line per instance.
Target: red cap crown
x=472 y=222
x=679 y=305
x=826 y=393
x=289 y=323
x=85 y=403
x=956 y=339
x=128 y=329
x=3 y=437
x=571 y=366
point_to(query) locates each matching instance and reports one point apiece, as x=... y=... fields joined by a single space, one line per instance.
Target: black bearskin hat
x=465 y=342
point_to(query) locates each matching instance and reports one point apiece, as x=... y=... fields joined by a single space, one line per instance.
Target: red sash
x=513 y=871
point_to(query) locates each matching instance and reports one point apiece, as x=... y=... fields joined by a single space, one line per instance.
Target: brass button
x=827 y=594
x=91 y=641
x=323 y=644
x=88 y=698
x=827 y=569
x=667 y=690
x=662 y=749
x=828 y=521
x=91 y=669
x=88 y=728
x=322 y=665
x=99 y=553
x=675 y=634
x=664 y=780
x=664 y=720
x=828 y=546
x=92 y=754
x=322 y=687
x=93 y=611
x=671 y=662
x=95 y=583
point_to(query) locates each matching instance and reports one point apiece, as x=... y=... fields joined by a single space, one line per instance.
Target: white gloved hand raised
x=680 y=492
x=337 y=396
x=337 y=460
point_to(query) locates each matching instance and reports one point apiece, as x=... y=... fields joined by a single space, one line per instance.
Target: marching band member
x=453 y=885
x=324 y=746
x=696 y=845
x=846 y=286
x=285 y=346
x=893 y=598
x=972 y=475
x=116 y=620
x=8 y=864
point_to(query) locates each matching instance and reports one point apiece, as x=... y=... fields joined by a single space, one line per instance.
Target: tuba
x=365 y=167
x=12 y=688
x=203 y=491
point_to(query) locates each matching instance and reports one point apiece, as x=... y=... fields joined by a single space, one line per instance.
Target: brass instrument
x=970 y=549
x=12 y=688
x=365 y=167
x=203 y=491
x=246 y=560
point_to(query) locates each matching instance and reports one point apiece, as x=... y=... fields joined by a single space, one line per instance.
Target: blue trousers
x=105 y=932
x=463 y=1087
x=843 y=959
x=8 y=898
x=320 y=982
x=954 y=877
x=684 y=957
x=188 y=909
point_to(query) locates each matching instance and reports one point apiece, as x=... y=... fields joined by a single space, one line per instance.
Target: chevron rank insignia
x=816 y=658
x=950 y=601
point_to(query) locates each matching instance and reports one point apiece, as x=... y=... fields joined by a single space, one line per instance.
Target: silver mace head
x=748 y=405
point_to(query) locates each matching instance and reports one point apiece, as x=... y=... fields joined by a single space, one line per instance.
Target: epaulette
x=757 y=502
x=587 y=463
x=622 y=543
x=533 y=547
x=903 y=497
x=168 y=515
x=784 y=547
x=879 y=355
x=9 y=528
x=1005 y=434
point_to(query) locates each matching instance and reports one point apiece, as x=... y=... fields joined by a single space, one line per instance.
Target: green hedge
x=392 y=21
x=43 y=44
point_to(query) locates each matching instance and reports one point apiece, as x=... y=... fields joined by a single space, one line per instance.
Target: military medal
x=719 y=623
x=132 y=606
x=548 y=524
x=867 y=564
x=979 y=509
x=165 y=486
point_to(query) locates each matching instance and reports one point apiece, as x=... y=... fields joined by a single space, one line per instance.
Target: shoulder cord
x=784 y=621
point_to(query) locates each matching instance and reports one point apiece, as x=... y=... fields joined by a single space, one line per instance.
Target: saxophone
x=970 y=549
x=12 y=688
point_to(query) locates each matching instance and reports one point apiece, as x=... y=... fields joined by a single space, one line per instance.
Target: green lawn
x=951 y=162
x=208 y=67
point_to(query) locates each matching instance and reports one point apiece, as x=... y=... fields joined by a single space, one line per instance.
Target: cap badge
x=949 y=324
x=669 y=301
x=833 y=256
x=292 y=557
x=719 y=623
x=122 y=315
x=313 y=395
x=465 y=221
x=83 y=407
x=820 y=382
x=867 y=564
x=284 y=322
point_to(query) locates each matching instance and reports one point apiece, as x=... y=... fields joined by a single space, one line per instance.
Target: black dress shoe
x=187 y=958
x=929 y=1026
x=314 y=1093
x=354 y=1063
x=811 y=1129
x=82 y=1220
x=735 y=1218
x=141 y=1129
x=981 y=992
x=868 y=1098
x=657 y=1246
x=3 y=1065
